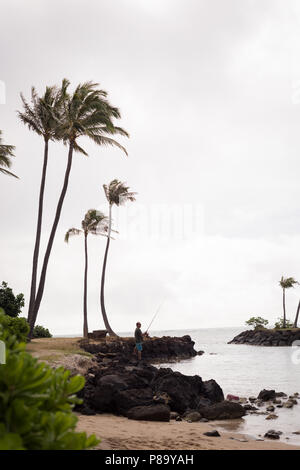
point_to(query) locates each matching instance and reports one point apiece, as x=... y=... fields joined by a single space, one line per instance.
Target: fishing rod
x=155 y=315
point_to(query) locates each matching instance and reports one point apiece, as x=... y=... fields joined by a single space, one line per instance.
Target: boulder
x=192 y=416
x=267 y=395
x=150 y=413
x=119 y=387
x=223 y=410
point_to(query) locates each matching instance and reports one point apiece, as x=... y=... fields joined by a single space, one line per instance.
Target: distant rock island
x=267 y=337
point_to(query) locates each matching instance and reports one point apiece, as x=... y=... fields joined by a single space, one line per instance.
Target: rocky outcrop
x=137 y=389
x=154 y=349
x=265 y=337
x=150 y=413
x=223 y=410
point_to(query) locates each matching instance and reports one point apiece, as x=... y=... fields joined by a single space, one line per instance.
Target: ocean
x=244 y=371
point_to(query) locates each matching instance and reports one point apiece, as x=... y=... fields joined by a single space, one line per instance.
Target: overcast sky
x=209 y=91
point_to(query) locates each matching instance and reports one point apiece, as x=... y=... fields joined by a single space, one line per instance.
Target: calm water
x=245 y=370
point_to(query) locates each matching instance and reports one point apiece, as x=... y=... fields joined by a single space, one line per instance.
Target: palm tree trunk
x=85 y=321
x=50 y=242
x=284 y=314
x=38 y=235
x=297 y=316
x=104 y=315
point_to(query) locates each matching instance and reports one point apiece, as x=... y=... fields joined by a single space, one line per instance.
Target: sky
x=209 y=91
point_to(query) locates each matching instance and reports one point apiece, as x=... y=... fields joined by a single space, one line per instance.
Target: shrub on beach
x=258 y=323
x=36 y=403
x=17 y=327
x=12 y=304
x=279 y=325
x=41 y=332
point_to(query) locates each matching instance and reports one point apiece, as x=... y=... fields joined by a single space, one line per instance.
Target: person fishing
x=138 y=335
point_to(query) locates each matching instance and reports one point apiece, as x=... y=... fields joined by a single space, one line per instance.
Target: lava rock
x=214 y=433
x=266 y=395
x=273 y=434
x=223 y=410
x=150 y=413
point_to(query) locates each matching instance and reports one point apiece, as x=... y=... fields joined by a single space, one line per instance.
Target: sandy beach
x=120 y=433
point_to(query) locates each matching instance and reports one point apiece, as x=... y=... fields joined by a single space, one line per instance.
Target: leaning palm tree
x=116 y=193
x=86 y=113
x=297 y=316
x=286 y=283
x=96 y=223
x=42 y=116
x=6 y=152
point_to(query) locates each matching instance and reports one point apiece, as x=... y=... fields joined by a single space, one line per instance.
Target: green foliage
x=280 y=324
x=11 y=304
x=36 y=403
x=257 y=322
x=41 y=332
x=17 y=327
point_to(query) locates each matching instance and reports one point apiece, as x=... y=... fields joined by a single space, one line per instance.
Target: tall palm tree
x=286 y=283
x=6 y=152
x=42 y=116
x=86 y=113
x=96 y=223
x=117 y=193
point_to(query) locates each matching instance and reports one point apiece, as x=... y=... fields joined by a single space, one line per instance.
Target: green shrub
x=279 y=324
x=36 y=403
x=11 y=304
x=258 y=323
x=17 y=327
x=41 y=332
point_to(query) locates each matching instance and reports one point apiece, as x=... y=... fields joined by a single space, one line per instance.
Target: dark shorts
x=139 y=346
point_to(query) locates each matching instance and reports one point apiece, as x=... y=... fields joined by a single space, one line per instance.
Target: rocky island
x=267 y=337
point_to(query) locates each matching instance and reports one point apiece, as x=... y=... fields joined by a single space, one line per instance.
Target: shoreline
x=121 y=433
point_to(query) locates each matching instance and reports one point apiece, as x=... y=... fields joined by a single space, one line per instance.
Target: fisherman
x=138 y=341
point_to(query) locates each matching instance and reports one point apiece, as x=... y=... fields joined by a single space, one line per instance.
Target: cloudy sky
x=209 y=91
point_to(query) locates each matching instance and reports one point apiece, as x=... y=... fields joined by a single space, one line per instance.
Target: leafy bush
x=257 y=322
x=11 y=304
x=41 y=332
x=279 y=324
x=36 y=403
x=17 y=327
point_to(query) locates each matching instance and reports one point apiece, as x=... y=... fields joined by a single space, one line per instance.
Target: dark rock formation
x=154 y=349
x=118 y=388
x=266 y=395
x=214 y=433
x=267 y=337
x=150 y=413
x=223 y=410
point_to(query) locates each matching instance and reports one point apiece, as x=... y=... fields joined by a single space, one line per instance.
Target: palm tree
x=116 y=193
x=86 y=113
x=96 y=223
x=6 y=152
x=297 y=316
x=286 y=283
x=42 y=116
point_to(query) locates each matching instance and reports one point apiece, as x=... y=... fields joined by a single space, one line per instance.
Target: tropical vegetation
x=36 y=402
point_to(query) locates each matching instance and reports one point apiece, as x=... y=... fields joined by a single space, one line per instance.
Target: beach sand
x=120 y=433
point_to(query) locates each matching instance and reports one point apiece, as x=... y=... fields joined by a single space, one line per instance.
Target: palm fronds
x=6 y=153
x=118 y=193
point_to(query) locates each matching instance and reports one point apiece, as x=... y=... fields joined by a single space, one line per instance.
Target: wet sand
x=120 y=433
